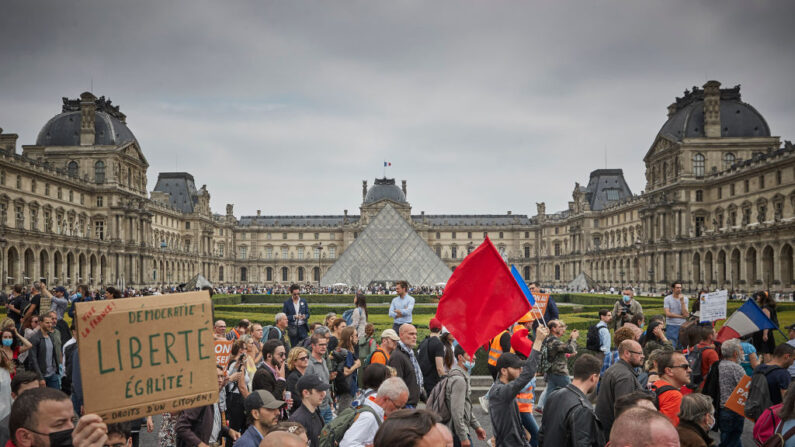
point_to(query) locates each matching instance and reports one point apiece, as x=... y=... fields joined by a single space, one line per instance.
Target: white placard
x=713 y=306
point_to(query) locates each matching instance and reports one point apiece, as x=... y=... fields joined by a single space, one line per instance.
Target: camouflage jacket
x=556 y=354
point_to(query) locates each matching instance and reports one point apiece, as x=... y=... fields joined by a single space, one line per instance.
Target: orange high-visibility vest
x=525 y=401
x=495 y=350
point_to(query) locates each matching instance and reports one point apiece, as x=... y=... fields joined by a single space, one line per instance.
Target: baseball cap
x=509 y=360
x=61 y=289
x=311 y=382
x=390 y=334
x=435 y=324
x=261 y=399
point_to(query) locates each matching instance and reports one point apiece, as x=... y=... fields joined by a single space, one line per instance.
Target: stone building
x=717 y=211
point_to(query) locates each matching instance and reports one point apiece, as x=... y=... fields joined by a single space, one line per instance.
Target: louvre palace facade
x=717 y=211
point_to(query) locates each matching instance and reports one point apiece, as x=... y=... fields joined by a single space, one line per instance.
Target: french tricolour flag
x=748 y=319
x=387 y=163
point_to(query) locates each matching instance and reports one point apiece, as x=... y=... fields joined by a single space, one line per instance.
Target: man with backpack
x=674 y=373
x=278 y=331
x=703 y=355
x=770 y=382
x=430 y=356
x=729 y=373
x=456 y=392
x=359 y=425
x=389 y=341
x=598 y=339
x=554 y=361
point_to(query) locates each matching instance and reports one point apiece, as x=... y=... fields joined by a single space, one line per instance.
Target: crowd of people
x=661 y=380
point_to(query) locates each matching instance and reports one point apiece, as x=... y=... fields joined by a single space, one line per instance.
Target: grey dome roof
x=384 y=188
x=64 y=130
x=737 y=118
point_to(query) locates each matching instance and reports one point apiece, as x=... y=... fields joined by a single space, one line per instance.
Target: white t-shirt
x=674 y=306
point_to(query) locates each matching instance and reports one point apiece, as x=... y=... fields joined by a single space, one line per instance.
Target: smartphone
x=287 y=395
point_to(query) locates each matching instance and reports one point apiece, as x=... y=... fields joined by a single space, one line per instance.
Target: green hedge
x=320 y=299
x=320 y=309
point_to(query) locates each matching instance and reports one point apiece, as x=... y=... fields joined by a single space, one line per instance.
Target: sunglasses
x=636 y=353
x=685 y=366
x=302 y=358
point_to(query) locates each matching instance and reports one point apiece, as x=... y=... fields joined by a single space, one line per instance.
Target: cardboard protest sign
x=223 y=350
x=736 y=402
x=713 y=306
x=145 y=356
x=542 y=299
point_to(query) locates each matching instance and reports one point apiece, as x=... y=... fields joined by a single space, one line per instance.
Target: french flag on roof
x=748 y=319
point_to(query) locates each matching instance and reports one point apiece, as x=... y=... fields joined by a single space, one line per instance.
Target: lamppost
x=651 y=280
x=319 y=247
x=3 y=243
x=622 y=277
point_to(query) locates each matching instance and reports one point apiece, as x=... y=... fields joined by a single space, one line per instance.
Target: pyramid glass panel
x=388 y=250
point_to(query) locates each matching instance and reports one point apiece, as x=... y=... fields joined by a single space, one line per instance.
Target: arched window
x=284 y=273
x=243 y=274
x=71 y=169
x=99 y=172
x=698 y=165
x=728 y=160
x=269 y=274
x=300 y=273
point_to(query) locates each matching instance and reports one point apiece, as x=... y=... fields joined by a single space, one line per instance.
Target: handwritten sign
x=145 y=356
x=736 y=402
x=542 y=299
x=223 y=349
x=713 y=306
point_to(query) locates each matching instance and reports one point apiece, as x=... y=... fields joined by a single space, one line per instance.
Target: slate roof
x=181 y=188
x=384 y=188
x=737 y=118
x=473 y=219
x=606 y=187
x=296 y=221
x=64 y=130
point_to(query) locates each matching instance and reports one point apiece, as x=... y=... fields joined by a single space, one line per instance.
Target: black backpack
x=592 y=341
x=426 y=366
x=695 y=367
x=759 y=392
x=712 y=384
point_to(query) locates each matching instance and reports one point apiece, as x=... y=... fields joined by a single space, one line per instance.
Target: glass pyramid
x=388 y=250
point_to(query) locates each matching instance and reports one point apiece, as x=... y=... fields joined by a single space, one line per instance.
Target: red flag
x=481 y=298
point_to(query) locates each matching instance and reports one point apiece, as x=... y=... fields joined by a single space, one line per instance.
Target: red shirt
x=708 y=357
x=670 y=402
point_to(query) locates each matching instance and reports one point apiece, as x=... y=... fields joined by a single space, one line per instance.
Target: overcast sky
x=482 y=106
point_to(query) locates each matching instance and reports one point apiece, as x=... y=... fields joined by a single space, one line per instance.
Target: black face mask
x=61 y=438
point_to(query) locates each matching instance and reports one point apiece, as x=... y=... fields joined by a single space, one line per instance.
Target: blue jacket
x=249 y=438
x=289 y=310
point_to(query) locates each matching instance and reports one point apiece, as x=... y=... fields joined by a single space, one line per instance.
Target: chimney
x=712 y=109
x=88 y=108
x=8 y=142
x=259 y=213
x=229 y=209
x=671 y=109
x=404 y=187
x=509 y=212
x=346 y=213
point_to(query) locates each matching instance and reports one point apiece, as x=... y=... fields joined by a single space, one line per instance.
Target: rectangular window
x=20 y=216
x=284 y=236
x=502 y=234
x=731 y=190
x=268 y=252
x=46 y=189
x=332 y=236
x=747 y=185
x=778 y=177
x=284 y=252
x=453 y=252
x=71 y=195
x=221 y=250
x=720 y=193
x=557 y=249
x=469 y=235
x=33 y=186
x=699 y=225
x=761 y=182
x=268 y=236
x=187 y=225
x=82 y=199
x=527 y=235
x=19 y=182
x=556 y=228
x=699 y=195
x=99 y=202
x=300 y=252
x=99 y=230
x=453 y=234
x=300 y=236
x=316 y=253
x=243 y=252
x=485 y=234
x=317 y=236
x=332 y=252
x=527 y=251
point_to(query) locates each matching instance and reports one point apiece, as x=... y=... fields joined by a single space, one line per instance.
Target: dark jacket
x=692 y=435
x=312 y=422
x=250 y=438
x=39 y=352
x=504 y=412
x=569 y=420
x=296 y=332
x=265 y=380
x=405 y=370
x=195 y=426
x=292 y=382
x=618 y=380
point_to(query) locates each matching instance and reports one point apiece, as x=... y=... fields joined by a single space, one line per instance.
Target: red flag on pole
x=481 y=298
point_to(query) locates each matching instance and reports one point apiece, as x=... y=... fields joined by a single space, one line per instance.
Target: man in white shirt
x=675 y=313
x=402 y=306
x=392 y=396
